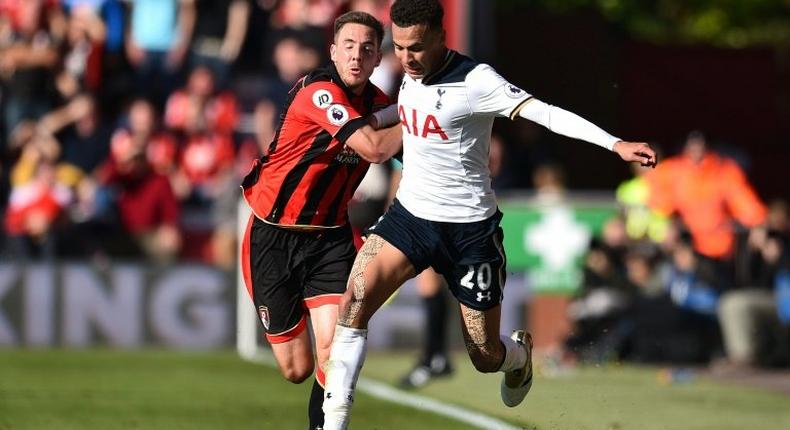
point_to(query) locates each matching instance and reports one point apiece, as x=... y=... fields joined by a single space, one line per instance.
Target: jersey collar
x=442 y=70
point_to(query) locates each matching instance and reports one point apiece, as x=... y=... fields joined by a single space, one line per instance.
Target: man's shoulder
x=316 y=88
x=321 y=74
x=318 y=78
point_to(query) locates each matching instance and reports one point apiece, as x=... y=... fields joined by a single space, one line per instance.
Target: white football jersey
x=447 y=118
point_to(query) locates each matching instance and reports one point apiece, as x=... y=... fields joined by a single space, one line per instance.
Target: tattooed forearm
x=369 y=250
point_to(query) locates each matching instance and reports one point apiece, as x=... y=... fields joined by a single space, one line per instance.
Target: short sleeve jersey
x=309 y=174
x=447 y=118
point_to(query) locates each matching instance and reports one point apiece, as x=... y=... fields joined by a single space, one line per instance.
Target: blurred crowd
x=694 y=269
x=126 y=125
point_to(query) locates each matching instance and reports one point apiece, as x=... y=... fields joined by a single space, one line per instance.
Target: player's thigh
x=429 y=282
x=327 y=266
x=475 y=269
x=379 y=269
x=328 y=259
x=275 y=285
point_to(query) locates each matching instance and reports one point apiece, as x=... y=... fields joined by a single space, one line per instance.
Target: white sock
x=515 y=355
x=342 y=371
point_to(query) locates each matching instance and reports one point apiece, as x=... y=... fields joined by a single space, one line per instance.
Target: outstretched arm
x=569 y=124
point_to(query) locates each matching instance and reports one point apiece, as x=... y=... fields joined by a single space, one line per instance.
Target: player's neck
x=358 y=90
x=440 y=59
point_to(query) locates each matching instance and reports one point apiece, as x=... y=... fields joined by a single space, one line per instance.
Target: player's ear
x=332 y=52
x=378 y=58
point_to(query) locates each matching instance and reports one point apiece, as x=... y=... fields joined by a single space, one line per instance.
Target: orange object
x=708 y=196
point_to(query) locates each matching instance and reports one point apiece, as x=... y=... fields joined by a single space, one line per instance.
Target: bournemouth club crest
x=263 y=312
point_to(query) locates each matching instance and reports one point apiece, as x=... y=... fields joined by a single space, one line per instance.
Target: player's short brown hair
x=366 y=19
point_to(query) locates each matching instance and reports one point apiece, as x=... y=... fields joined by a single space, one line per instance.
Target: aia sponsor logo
x=418 y=125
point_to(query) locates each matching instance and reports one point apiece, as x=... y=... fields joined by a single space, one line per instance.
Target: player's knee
x=352 y=311
x=297 y=375
x=297 y=371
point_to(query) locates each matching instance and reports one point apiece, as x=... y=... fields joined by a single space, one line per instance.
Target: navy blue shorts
x=470 y=256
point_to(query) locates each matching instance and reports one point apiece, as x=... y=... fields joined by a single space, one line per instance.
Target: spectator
x=549 y=182
x=219 y=33
x=158 y=43
x=304 y=21
x=82 y=62
x=142 y=133
x=642 y=222
x=148 y=209
x=693 y=281
x=710 y=194
x=206 y=180
x=750 y=315
x=205 y=121
x=36 y=199
x=84 y=141
x=200 y=106
x=112 y=16
x=34 y=208
x=292 y=59
x=31 y=34
x=605 y=297
x=84 y=138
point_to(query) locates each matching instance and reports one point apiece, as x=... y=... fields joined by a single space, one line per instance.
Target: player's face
x=419 y=48
x=355 y=54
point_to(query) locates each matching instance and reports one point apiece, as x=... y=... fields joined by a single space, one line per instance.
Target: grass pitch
x=104 y=389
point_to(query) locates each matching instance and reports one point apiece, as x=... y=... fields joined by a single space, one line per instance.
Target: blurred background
x=126 y=126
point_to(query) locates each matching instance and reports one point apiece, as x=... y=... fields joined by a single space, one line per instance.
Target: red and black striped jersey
x=309 y=174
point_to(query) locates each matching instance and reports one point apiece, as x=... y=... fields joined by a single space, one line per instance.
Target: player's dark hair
x=405 y=13
x=366 y=19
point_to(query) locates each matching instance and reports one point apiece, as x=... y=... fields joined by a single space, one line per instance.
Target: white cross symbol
x=557 y=238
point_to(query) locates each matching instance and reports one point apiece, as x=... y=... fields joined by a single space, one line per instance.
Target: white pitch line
x=390 y=394
x=385 y=392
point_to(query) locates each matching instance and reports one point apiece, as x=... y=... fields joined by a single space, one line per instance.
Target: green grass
x=102 y=389
x=605 y=398
x=105 y=389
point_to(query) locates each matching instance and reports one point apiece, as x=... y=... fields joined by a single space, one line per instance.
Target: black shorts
x=470 y=256
x=288 y=272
